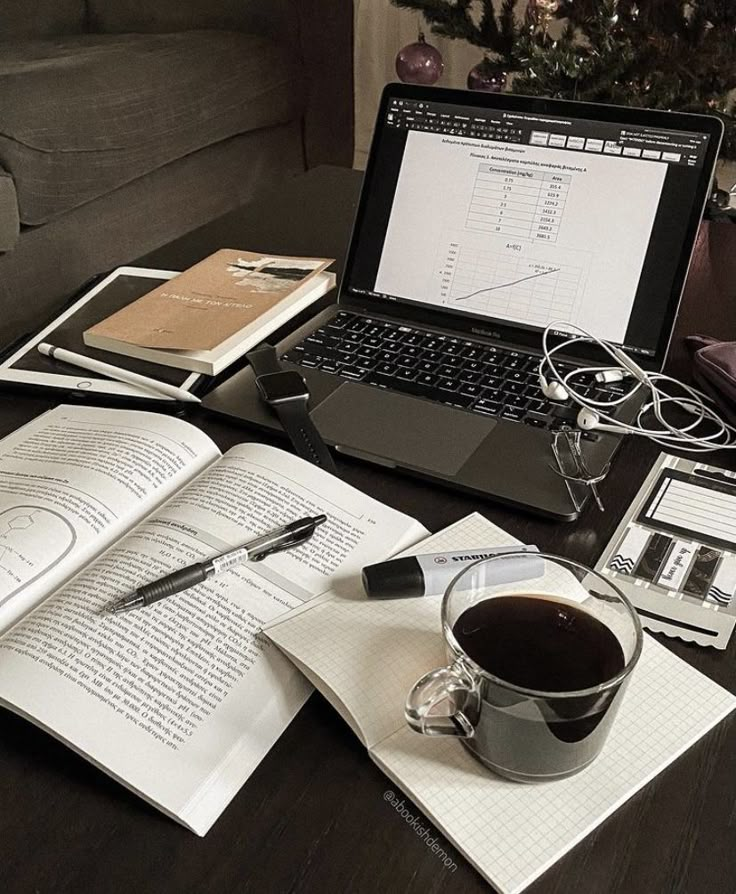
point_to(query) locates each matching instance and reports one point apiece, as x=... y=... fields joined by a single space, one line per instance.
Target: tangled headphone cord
x=595 y=414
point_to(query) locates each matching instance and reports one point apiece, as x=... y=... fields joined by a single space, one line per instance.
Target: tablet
x=25 y=366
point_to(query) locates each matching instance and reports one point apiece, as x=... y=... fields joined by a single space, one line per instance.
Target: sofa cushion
x=41 y=18
x=9 y=222
x=50 y=263
x=272 y=18
x=86 y=114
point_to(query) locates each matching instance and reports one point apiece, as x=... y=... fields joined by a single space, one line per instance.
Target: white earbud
x=553 y=390
x=589 y=420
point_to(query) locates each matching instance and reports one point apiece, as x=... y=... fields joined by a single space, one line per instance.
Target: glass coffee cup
x=540 y=650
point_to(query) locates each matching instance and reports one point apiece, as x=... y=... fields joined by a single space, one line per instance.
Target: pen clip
x=280 y=547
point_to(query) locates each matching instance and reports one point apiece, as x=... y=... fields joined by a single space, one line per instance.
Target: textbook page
x=73 y=480
x=181 y=700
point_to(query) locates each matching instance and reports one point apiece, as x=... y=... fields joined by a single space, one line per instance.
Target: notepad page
x=512 y=832
x=369 y=653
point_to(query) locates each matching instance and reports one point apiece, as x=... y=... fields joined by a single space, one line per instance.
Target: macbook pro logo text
x=489 y=333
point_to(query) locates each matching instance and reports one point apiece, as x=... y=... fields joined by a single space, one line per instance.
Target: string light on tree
x=540 y=13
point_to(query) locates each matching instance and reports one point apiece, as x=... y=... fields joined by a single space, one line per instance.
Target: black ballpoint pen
x=285 y=537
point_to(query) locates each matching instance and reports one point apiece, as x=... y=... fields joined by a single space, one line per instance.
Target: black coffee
x=539 y=643
x=543 y=644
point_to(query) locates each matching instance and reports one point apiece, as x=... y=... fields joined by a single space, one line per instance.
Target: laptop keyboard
x=480 y=378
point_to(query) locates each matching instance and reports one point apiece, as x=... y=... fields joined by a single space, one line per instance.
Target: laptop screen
x=497 y=215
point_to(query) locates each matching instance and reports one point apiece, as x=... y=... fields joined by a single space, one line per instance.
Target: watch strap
x=264 y=360
x=293 y=414
x=304 y=436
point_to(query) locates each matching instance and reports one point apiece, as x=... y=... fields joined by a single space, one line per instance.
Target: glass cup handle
x=454 y=685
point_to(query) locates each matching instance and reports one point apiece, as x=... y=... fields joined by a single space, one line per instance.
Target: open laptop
x=482 y=219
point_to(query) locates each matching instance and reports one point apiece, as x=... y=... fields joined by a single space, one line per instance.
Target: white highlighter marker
x=432 y=574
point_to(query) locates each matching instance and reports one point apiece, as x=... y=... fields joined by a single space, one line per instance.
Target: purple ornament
x=487 y=77
x=419 y=63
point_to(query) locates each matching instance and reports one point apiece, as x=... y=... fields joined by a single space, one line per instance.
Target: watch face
x=280 y=386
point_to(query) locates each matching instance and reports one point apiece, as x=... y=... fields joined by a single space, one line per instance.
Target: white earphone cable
x=561 y=384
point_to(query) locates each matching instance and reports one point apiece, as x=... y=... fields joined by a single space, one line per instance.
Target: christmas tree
x=664 y=54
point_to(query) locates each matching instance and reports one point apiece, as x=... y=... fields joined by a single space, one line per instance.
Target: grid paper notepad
x=349 y=644
x=510 y=832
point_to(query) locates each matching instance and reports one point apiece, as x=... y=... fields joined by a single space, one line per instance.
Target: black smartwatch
x=286 y=392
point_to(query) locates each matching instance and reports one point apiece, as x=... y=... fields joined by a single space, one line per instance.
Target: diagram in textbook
x=33 y=540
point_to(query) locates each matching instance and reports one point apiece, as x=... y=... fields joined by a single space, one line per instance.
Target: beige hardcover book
x=208 y=316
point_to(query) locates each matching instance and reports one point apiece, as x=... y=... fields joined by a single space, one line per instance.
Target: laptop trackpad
x=402 y=429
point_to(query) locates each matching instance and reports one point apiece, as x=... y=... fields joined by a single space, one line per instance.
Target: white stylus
x=117 y=373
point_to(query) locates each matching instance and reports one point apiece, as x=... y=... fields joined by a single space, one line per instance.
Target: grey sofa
x=125 y=123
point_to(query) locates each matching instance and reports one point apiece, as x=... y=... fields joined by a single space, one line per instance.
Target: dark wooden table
x=312 y=817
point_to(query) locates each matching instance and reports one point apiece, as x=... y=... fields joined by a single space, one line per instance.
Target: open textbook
x=365 y=655
x=181 y=700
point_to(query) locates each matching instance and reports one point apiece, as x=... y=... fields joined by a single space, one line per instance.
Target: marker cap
x=394 y=579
